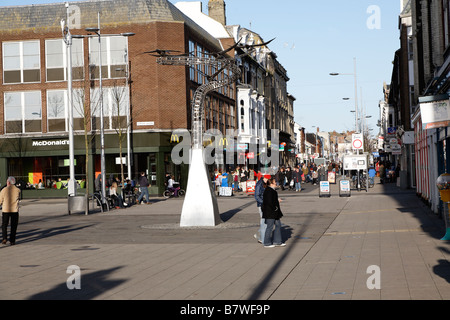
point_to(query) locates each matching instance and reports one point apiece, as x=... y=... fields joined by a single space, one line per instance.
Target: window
x=21 y=62
x=116 y=102
x=114 y=57
x=57 y=110
x=192 y=54
x=56 y=61
x=23 y=112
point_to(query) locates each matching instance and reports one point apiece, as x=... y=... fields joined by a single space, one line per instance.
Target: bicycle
x=169 y=194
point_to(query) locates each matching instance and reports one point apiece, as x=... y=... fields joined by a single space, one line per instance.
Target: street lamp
x=97 y=32
x=356 y=90
x=67 y=37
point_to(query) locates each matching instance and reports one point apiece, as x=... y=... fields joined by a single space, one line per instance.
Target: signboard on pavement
x=324 y=190
x=344 y=188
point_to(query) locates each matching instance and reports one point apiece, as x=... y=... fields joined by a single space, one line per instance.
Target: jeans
x=298 y=186
x=144 y=191
x=14 y=222
x=262 y=226
x=276 y=233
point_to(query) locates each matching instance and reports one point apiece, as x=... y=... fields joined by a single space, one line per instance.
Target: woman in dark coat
x=272 y=214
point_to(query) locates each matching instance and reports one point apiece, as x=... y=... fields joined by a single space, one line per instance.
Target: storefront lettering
x=50 y=143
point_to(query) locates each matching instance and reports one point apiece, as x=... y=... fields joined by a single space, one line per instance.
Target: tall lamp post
x=356 y=90
x=67 y=37
x=102 y=128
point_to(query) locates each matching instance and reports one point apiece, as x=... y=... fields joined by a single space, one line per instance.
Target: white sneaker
x=281 y=245
x=270 y=246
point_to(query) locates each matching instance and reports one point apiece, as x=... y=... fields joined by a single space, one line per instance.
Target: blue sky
x=314 y=38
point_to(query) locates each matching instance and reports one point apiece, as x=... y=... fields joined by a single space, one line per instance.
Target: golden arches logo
x=223 y=142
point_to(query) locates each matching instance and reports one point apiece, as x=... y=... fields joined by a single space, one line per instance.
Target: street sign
x=357 y=141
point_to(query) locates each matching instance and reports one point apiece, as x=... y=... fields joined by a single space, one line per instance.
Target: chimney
x=216 y=10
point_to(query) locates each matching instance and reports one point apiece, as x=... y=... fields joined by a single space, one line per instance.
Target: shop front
x=41 y=165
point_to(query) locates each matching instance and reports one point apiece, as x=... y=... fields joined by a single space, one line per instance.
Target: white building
x=250 y=103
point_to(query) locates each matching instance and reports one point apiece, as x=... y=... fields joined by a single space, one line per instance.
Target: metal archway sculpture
x=200 y=206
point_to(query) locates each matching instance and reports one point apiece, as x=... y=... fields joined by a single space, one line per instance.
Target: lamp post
x=67 y=37
x=98 y=34
x=356 y=90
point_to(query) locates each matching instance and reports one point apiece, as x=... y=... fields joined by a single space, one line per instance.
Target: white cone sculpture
x=200 y=207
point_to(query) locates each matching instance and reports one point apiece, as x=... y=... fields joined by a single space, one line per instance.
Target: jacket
x=297 y=176
x=9 y=199
x=143 y=182
x=271 y=206
x=259 y=192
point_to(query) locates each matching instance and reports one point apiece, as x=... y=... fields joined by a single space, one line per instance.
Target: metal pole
x=102 y=128
x=72 y=183
x=356 y=96
x=128 y=118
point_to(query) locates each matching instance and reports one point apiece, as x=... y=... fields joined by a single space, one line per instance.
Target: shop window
x=23 y=112
x=56 y=60
x=21 y=62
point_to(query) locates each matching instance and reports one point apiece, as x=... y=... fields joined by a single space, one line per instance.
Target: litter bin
x=77 y=204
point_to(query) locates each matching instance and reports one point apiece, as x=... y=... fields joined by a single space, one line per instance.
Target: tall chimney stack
x=216 y=10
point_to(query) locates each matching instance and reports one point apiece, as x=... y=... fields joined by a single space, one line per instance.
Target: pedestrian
x=297 y=177
x=9 y=200
x=272 y=215
x=382 y=171
x=259 y=192
x=143 y=187
x=282 y=178
x=315 y=176
x=289 y=178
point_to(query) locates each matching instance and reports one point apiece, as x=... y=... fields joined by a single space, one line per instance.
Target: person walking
x=297 y=177
x=9 y=200
x=143 y=187
x=272 y=215
x=290 y=184
x=259 y=192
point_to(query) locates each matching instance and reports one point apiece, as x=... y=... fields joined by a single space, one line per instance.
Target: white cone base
x=200 y=207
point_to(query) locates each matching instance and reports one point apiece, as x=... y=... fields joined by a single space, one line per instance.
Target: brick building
x=33 y=108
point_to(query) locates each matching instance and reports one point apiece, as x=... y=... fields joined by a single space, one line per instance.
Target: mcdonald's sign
x=223 y=142
x=175 y=138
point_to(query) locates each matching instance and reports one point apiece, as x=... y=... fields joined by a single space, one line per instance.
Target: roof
x=194 y=11
x=113 y=13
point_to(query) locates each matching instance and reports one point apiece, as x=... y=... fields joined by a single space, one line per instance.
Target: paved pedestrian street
x=378 y=245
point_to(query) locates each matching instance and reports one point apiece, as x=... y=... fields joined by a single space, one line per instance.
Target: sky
x=314 y=39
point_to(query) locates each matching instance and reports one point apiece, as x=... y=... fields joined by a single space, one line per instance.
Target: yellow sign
x=175 y=138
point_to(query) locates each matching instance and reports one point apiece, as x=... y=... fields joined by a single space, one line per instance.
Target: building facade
x=156 y=99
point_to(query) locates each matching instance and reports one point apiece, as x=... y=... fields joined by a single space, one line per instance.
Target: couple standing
x=270 y=212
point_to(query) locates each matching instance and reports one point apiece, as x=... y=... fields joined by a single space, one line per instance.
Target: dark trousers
x=14 y=222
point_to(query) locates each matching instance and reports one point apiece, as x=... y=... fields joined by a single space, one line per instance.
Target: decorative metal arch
x=201 y=92
x=217 y=60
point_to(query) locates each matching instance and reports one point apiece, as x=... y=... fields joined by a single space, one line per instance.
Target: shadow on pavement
x=92 y=285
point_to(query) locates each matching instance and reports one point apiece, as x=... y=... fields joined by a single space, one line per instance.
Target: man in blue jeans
x=143 y=187
x=259 y=191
